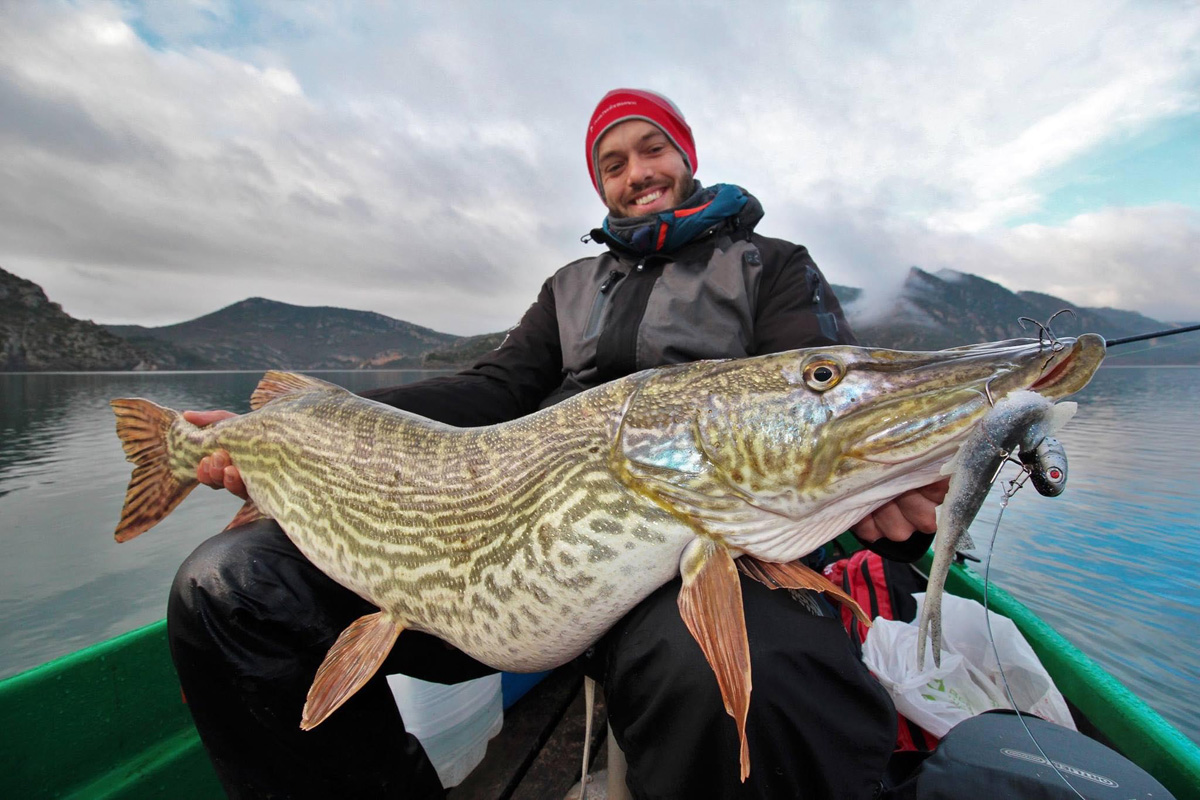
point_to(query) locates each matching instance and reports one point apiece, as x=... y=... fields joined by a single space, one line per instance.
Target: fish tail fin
x=154 y=488
x=276 y=384
x=1059 y=415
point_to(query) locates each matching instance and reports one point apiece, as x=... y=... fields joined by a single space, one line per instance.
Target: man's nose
x=640 y=170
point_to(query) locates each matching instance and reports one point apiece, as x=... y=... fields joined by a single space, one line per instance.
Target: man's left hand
x=915 y=510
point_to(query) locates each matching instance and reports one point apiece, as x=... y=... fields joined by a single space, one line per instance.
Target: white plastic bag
x=453 y=723
x=968 y=682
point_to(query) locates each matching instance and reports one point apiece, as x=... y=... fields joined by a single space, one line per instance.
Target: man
x=684 y=277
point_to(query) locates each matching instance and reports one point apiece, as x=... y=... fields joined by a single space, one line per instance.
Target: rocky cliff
x=37 y=335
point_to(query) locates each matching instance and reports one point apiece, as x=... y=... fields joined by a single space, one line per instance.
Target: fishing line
x=1013 y=486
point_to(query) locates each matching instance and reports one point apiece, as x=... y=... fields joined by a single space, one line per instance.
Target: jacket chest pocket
x=700 y=311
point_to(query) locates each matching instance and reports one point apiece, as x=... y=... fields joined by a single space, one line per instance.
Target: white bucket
x=453 y=723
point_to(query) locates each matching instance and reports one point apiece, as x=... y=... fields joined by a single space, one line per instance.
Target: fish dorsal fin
x=350 y=663
x=277 y=384
x=797 y=575
x=710 y=603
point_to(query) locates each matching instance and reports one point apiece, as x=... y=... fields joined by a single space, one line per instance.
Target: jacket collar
x=721 y=207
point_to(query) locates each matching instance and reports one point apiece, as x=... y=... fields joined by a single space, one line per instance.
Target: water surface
x=1112 y=563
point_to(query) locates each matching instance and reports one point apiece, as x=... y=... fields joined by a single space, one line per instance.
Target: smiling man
x=641 y=169
x=683 y=277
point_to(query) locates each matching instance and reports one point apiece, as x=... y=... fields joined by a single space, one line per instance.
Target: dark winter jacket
x=729 y=293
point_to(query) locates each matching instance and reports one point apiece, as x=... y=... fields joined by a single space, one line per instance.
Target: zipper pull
x=610 y=281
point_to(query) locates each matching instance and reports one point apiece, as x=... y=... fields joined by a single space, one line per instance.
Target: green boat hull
x=110 y=722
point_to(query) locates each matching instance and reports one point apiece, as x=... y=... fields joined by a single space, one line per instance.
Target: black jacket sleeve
x=796 y=307
x=505 y=384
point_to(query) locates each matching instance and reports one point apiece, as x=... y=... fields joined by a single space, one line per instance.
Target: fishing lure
x=1046 y=464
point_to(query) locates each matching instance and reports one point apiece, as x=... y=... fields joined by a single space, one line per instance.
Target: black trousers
x=250 y=619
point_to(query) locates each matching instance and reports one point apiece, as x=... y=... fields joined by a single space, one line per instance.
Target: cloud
x=425 y=162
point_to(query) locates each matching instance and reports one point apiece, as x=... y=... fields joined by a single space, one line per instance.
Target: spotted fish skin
x=522 y=543
x=521 y=557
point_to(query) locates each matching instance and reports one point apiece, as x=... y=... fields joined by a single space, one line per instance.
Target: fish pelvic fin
x=350 y=663
x=796 y=575
x=275 y=384
x=154 y=488
x=246 y=514
x=710 y=603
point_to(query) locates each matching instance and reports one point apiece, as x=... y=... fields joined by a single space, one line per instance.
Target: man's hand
x=915 y=510
x=217 y=470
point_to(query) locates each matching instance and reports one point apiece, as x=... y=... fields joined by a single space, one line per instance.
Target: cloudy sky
x=160 y=160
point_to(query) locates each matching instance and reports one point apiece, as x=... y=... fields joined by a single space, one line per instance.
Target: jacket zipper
x=602 y=297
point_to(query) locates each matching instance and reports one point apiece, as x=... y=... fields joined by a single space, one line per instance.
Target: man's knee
x=213 y=579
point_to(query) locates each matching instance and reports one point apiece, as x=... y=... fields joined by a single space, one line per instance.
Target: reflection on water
x=1112 y=564
x=64 y=582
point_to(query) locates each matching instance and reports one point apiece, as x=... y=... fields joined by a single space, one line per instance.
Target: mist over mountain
x=950 y=308
x=931 y=311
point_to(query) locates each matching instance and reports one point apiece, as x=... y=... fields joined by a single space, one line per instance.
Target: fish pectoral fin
x=711 y=605
x=350 y=663
x=246 y=514
x=796 y=575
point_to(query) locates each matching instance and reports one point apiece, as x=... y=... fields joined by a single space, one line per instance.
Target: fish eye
x=823 y=374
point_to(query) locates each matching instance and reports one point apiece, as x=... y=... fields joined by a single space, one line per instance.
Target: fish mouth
x=941 y=418
x=1071 y=368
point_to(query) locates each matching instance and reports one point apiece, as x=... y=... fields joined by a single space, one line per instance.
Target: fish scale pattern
x=519 y=555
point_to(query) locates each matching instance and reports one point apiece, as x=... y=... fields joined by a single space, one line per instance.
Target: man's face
x=641 y=171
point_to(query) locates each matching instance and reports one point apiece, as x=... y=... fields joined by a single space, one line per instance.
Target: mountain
x=950 y=308
x=265 y=334
x=37 y=335
x=931 y=311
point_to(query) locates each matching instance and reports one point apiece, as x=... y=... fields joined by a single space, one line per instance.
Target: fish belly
x=524 y=604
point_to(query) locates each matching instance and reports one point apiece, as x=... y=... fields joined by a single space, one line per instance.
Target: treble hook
x=1045 y=333
x=987 y=392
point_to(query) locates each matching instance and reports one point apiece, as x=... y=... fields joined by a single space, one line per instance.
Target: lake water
x=1113 y=563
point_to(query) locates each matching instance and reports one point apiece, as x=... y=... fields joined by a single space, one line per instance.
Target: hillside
x=265 y=334
x=37 y=335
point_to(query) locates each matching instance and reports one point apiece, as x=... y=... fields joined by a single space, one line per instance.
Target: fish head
x=819 y=437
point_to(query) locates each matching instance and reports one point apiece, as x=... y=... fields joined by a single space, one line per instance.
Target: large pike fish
x=522 y=543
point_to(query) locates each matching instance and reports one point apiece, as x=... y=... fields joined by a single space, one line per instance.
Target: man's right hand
x=216 y=469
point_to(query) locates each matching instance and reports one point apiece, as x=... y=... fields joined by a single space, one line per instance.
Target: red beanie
x=620 y=105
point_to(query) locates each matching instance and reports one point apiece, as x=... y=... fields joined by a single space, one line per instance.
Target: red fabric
x=862 y=576
x=687 y=212
x=622 y=104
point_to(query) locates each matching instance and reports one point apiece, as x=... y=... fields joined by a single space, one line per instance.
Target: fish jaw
x=779 y=454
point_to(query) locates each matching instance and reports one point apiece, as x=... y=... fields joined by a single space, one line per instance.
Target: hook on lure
x=1046 y=335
